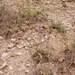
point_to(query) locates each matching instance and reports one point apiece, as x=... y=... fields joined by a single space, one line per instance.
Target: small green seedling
x=64 y=5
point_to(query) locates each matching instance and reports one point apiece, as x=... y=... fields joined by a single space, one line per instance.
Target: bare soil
x=18 y=45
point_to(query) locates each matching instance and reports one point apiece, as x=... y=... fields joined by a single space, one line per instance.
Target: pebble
x=20 y=69
x=19 y=53
x=1 y=72
x=27 y=71
x=42 y=40
x=10 y=45
x=46 y=37
x=4 y=55
x=26 y=48
x=13 y=39
x=29 y=38
x=28 y=44
x=1 y=37
x=3 y=49
x=52 y=36
x=58 y=39
x=10 y=67
x=19 y=46
x=3 y=66
x=28 y=65
x=63 y=0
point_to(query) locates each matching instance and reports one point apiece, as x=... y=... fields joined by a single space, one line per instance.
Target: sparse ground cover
x=37 y=37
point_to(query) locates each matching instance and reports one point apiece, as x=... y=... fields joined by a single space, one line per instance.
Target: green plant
x=74 y=42
x=2 y=8
x=74 y=22
x=65 y=41
x=64 y=5
x=57 y=26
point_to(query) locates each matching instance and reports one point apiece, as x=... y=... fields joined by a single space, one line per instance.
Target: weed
x=73 y=45
x=60 y=29
x=2 y=8
x=74 y=22
x=57 y=26
x=65 y=41
x=64 y=5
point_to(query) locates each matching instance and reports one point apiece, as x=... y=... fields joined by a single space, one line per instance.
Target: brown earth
x=18 y=45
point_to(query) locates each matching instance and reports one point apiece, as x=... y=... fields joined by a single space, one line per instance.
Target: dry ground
x=17 y=45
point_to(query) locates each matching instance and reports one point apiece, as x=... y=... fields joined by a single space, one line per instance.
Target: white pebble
x=10 y=67
x=19 y=53
x=1 y=37
x=27 y=43
x=58 y=39
x=20 y=69
x=27 y=71
x=13 y=39
x=4 y=55
x=26 y=48
x=42 y=40
x=28 y=65
x=19 y=46
x=4 y=65
x=29 y=38
x=46 y=37
x=11 y=45
x=52 y=36
x=1 y=72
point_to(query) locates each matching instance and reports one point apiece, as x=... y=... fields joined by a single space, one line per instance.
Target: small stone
x=46 y=37
x=10 y=67
x=1 y=37
x=19 y=53
x=58 y=39
x=3 y=49
x=28 y=44
x=22 y=42
x=20 y=69
x=52 y=36
x=19 y=46
x=28 y=65
x=63 y=0
x=68 y=43
x=27 y=22
x=26 y=48
x=42 y=40
x=29 y=38
x=10 y=45
x=3 y=66
x=61 y=59
x=23 y=67
x=1 y=72
x=4 y=55
x=13 y=39
x=27 y=71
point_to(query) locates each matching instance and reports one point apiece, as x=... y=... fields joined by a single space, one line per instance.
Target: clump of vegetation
x=15 y=20
x=2 y=8
x=30 y=13
x=42 y=56
x=74 y=22
x=41 y=53
x=64 y=5
x=57 y=26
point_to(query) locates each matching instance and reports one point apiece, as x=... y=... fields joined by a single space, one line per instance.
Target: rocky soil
x=16 y=51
